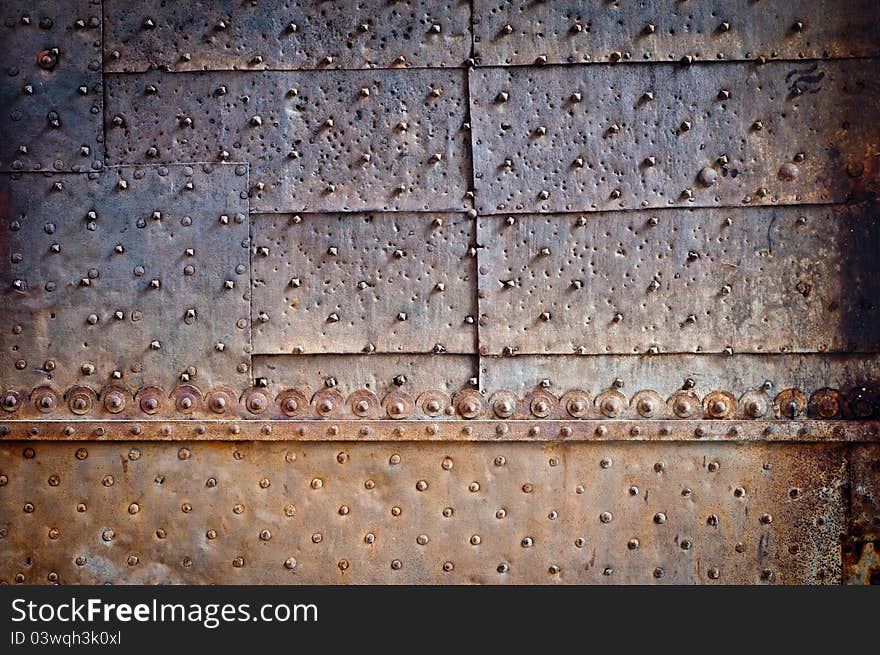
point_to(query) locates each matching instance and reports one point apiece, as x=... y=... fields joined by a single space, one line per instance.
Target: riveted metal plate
x=328 y=513
x=577 y=138
x=666 y=374
x=120 y=277
x=411 y=374
x=316 y=141
x=564 y=31
x=51 y=92
x=280 y=34
x=364 y=283
x=749 y=280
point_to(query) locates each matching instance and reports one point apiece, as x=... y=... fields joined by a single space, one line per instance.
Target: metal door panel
x=315 y=140
x=580 y=138
x=709 y=281
x=398 y=282
x=523 y=32
x=327 y=513
x=279 y=34
x=51 y=90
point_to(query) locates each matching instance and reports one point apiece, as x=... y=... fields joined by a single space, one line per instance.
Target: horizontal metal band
x=332 y=513
x=450 y=430
x=187 y=401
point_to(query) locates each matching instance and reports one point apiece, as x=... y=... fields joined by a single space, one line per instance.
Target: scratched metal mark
x=708 y=281
x=51 y=90
x=390 y=140
x=524 y=32
x=578 y=138
x=321 y=513
x=284 y=34
x=133 y=276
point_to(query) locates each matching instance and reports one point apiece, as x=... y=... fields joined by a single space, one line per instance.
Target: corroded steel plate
x=280 y=34
x=565 y=31
x=576 y=138
x=364 y=283
x=120 y=277
x=711 y=280
x=51 y=92
x=421 y=513
x=316 y=141
x=411 y=374
x=666 y=374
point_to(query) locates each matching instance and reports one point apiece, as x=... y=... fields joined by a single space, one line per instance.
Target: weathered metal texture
x=403 y=282
x=316 y=141
x=130 y=277
x=51 y=90
x=591 y=137
x=412 y=374
x=344 y=423
x=780 y=279
x=564 y=31
x=421 y=513
x=280 y=34
x=861 y=554
x=865 y=493
x=667 y=374
x=862 y=563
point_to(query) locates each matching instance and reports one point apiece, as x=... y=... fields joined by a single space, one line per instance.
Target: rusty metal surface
x=865 y=492
x=51 y=89
x=381 y=373
x=284 y=34
x=120 y=278
x=666 y=374
x=712 y=280
x=417 y=513
x=564 y=31
x=578 y=138
x=364 y=283
x=861 y=562
x=316 y=141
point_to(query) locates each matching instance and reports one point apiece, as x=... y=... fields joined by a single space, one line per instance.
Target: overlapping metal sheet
x=284 y=34
x=581 y=138
x=316 y=141
x=381 y=374
x=399 y=282
x=666 y=374
x=525 y=32
x=708 y=281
